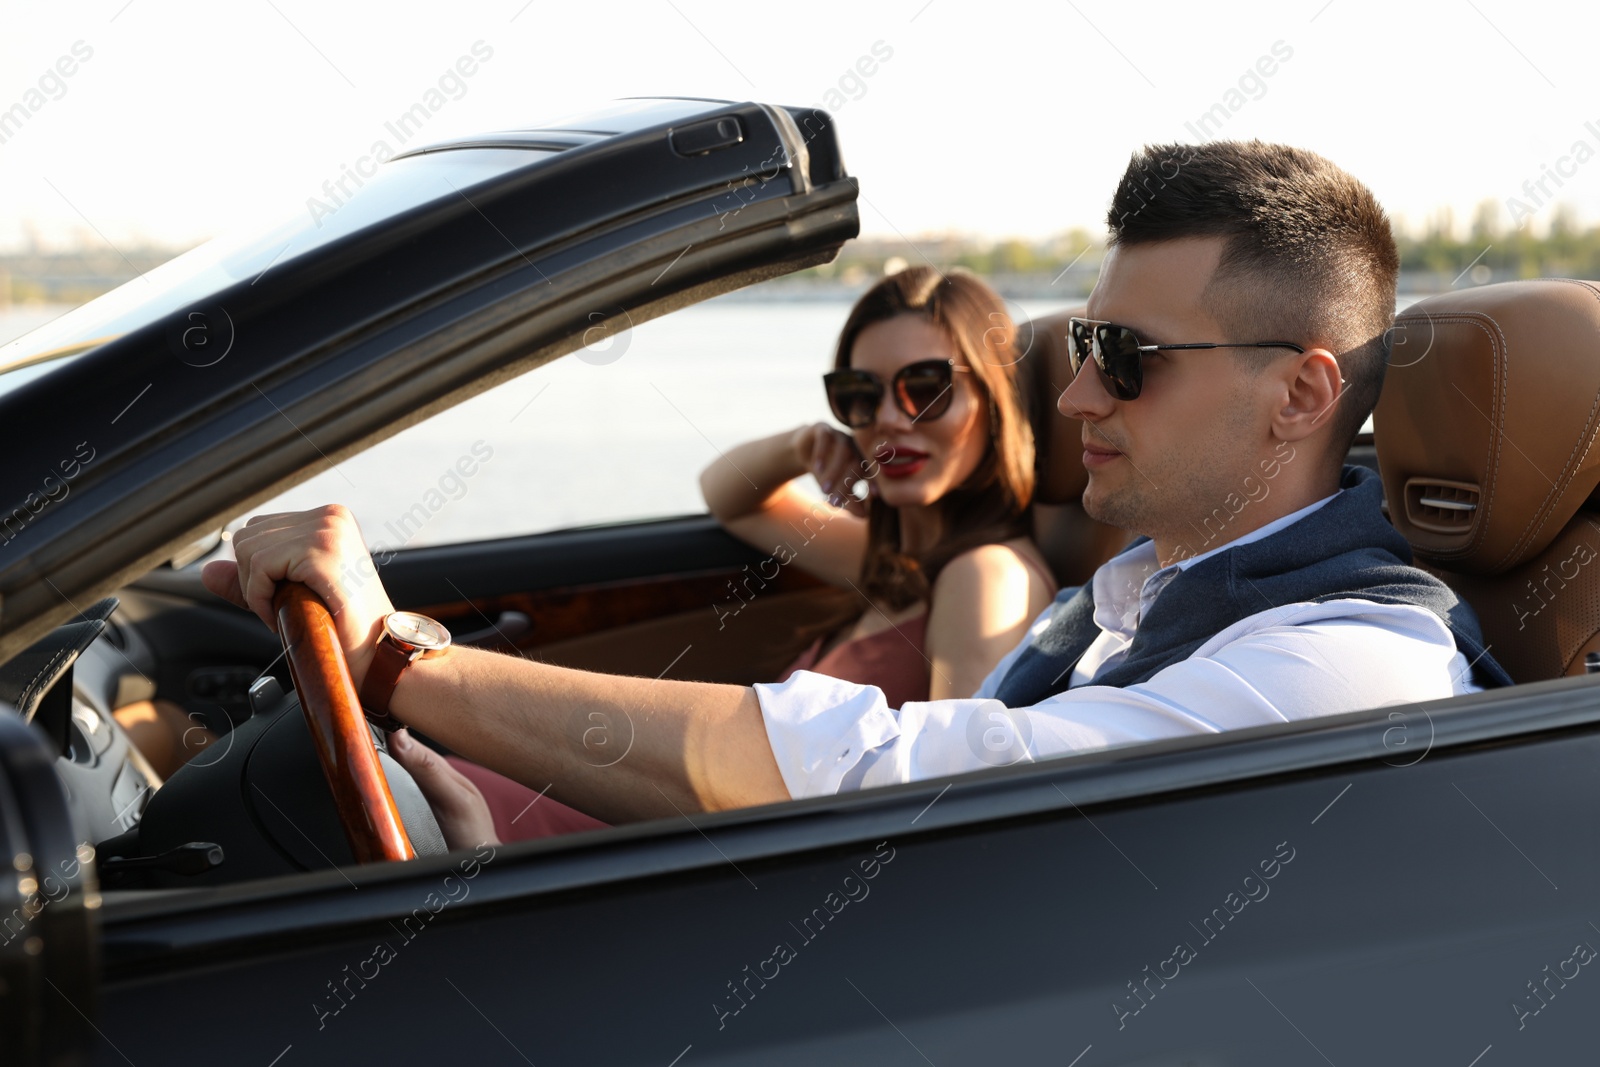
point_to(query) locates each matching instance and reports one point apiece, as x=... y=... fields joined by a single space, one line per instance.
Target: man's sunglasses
x=922 y=390
x=1117 y=352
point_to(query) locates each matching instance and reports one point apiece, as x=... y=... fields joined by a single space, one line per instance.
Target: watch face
x=418 y=631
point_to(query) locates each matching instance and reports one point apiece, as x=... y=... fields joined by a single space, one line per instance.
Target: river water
x=599 y=436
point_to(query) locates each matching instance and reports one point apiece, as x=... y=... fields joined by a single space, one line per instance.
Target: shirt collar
x=1126 y=586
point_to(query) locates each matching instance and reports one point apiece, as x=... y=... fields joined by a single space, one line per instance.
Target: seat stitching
x=1492 y=460
x=1564 y=477
x=1542 y=512
x=45 y=674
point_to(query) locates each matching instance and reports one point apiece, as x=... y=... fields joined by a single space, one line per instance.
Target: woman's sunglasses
x=922 y=390
x=1117 y=352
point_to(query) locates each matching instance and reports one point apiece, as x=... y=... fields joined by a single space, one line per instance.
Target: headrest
x=1487 y=422
x=1058 y=439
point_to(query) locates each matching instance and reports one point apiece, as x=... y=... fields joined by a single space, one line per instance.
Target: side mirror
x=49 y=908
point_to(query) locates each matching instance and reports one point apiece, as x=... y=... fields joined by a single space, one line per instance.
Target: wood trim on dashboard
x=568 y=612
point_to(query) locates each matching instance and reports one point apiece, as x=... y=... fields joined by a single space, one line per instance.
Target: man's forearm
x=617 y=748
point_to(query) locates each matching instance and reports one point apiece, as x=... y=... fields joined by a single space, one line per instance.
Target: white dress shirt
x=1291 y=662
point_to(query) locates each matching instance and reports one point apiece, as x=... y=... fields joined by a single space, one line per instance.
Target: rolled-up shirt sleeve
x=1293 y=662
x=821 y=727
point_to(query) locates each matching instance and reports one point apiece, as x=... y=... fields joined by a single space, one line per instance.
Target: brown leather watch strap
x=389 y=660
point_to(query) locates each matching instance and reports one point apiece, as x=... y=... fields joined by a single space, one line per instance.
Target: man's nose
x=1086 y=396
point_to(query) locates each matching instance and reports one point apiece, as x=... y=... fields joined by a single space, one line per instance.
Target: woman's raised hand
x=831 y=456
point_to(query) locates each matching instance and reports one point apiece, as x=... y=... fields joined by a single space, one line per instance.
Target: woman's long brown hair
x=992 y=504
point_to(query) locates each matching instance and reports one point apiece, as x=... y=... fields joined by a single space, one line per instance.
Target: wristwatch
x=407 y=637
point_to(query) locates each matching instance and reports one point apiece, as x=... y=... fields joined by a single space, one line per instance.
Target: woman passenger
x=939 y=549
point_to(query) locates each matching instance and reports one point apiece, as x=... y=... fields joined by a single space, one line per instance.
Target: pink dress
x=520 y=813
x=891 y=659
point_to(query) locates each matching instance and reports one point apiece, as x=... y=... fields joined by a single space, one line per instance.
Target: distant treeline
x=1565 y=250
x=1011 y=256
x=1435 y=256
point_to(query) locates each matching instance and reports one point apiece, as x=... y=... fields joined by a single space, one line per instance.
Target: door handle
x=504 y=630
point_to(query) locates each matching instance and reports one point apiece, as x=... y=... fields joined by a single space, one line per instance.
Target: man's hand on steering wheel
x=322 y=548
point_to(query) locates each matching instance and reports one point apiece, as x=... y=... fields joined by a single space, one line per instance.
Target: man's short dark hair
x=1309 y=256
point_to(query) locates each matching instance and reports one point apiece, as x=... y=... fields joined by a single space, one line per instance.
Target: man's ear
x=1311 y=394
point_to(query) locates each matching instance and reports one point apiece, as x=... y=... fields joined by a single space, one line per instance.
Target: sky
x=995 y=119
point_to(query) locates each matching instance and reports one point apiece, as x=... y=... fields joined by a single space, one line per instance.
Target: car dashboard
x=252 y=803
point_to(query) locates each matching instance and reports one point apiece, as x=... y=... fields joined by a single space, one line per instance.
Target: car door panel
x=1370 y=911
x=440 y=574
x=679 y=596
x=750 y=643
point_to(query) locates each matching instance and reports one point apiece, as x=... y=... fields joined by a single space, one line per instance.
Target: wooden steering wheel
x=339 y=727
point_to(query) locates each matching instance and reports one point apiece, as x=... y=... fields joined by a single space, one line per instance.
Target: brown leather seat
x=1073 y=543
x=1486 y=435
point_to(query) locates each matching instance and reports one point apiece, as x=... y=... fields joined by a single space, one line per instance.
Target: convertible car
x=286 y=898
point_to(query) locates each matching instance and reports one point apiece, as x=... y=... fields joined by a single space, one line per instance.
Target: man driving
x=1233 y=345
